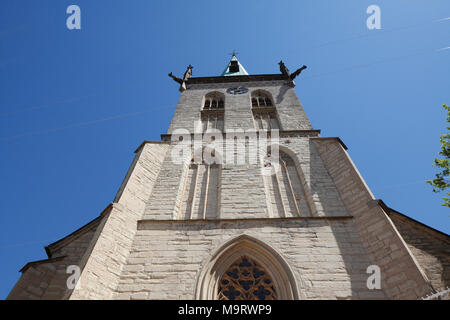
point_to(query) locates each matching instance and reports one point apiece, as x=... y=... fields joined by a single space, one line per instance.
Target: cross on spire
x=234 y=53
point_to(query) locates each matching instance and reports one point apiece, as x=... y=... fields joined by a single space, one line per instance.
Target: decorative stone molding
x=208 y=279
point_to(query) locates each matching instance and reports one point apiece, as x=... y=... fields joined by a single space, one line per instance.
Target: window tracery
x=212 y=114
x=246 y=280
x=264 y=111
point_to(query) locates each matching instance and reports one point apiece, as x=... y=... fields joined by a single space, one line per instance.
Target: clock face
x=240 y=90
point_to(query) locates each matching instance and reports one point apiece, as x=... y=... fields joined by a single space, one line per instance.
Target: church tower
x=242 y=199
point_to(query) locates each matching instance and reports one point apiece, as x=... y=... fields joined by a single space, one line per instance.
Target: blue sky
x=75 y=104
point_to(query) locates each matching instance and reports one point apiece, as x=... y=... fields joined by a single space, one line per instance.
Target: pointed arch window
x=286 y=187
x=201 y=192
x=212 y=114
x=214 y=100
x=278 y=277
x=261 y=99
x=246 y=279
x=264 y=112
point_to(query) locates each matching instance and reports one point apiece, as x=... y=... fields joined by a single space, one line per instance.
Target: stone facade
x=46 y=279
x=430 y=247
x=175 y=226
x=328 y=259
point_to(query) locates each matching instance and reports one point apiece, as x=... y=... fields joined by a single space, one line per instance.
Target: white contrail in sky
x=439 y=20
x=441 y=49
x=80 y=124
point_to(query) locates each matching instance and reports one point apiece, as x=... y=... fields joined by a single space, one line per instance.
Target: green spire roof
x=234 y=68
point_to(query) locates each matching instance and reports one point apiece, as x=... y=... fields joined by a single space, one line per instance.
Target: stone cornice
x=391 y=211
x=218 y=221
x=242 y=78
x=283 y=134
x=38 y=262
x=49 y=249
x=300 y=133
x=332 y=138
x=149 y=141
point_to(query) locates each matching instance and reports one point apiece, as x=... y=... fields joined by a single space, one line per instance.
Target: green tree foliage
x=442 y=182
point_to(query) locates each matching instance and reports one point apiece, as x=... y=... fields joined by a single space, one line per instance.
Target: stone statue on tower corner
x=284 y=70
x=186 y=77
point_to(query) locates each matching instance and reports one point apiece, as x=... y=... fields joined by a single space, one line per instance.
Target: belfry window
x=212 y=113
x=261 y=99
x=264 y=112
x=234 y=66
x=213 y=104
x=214 y=101
x=246 y=279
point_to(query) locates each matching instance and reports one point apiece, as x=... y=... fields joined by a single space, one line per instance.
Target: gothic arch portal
x=284 y=282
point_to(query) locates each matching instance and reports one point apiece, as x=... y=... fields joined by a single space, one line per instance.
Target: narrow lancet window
x=201 y=192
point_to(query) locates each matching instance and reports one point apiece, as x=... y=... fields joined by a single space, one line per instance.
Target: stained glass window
x=246 y=280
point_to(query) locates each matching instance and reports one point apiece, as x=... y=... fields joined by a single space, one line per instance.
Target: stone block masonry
x=102 y=264
x=402 y=277
x=327 y=256
x=430 y=247
x=175 y=227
